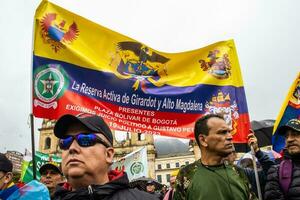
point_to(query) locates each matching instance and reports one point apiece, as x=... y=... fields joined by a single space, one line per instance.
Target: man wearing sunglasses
x=87 y=154
x=7 y=186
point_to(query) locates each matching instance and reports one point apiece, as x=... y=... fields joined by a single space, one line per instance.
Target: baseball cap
x=52 y=166
x=5 y=164
x=93 y=123
x=150 y=182
x=293 y=124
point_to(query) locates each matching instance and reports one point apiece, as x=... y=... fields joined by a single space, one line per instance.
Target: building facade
x=48 y=142
x=16 y=158
x=167 y=164
x=172 y=154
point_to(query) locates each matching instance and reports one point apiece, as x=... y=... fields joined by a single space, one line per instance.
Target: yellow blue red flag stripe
x=289 y=110
x=80 y=66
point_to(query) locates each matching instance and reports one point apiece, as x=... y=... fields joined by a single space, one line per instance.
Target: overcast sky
x=266 y=34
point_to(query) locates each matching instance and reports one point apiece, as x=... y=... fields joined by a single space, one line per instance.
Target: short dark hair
x=5 y=164
x=201 y=125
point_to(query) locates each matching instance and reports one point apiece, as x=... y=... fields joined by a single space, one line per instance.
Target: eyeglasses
x=83 y=139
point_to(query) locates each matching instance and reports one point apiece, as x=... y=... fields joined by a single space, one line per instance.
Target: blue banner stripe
x=88 y=80
x=278 y=141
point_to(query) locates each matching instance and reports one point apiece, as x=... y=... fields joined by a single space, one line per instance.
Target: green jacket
x=223 y=182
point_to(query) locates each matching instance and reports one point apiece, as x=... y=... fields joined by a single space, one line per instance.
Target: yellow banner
x=290 y=109
x=65 y=36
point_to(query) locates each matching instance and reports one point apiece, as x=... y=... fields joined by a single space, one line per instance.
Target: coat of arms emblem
x=295 y=98
x=216 y=64
x=221 y=104
x=56 y=34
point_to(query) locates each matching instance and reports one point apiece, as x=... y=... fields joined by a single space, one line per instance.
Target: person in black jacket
x=265 y=162
x=274 y=188
x=87 y=154
x=51 y=176
x=263 y=159
x=150 y=188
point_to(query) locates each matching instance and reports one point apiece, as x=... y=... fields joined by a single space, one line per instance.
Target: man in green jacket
x=209 y=177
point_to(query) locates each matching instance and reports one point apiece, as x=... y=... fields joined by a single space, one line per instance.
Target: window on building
x=187 y=162
x=141 y=136
x=168 y=165
x=49 y=124
x=177 y=164
x=159 y=166
x=128 y=135
x=47 y=143
x=168 y=177
x=159 y=178
x=120 y=136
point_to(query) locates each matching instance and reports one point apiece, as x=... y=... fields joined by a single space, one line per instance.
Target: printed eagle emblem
x=136 y=61
x=56 y=34
x=217 y=66
x=142 y=52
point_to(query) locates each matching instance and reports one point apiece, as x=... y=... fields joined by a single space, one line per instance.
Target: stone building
x=48 y=142
x=16 y=158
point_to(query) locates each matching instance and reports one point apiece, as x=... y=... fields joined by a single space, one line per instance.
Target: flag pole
x=255 y=168
x=256 y=173
x=33 y=146
x=31 y=101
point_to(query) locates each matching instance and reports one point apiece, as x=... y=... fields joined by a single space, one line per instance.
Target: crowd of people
x=87 y=149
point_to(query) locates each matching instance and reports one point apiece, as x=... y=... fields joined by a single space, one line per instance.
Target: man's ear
x=110 y=152
x=202 y=140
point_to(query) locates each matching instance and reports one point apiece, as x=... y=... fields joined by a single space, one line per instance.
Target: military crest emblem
x=55 y=33
x=221 y=104
x=137 y=62
x=49 y=85
x=216 y=64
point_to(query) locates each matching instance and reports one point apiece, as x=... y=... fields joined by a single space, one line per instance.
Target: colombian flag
x=289 y=110
x=82 y=67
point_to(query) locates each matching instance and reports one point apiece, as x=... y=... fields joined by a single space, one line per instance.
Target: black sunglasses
x=83 y=139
